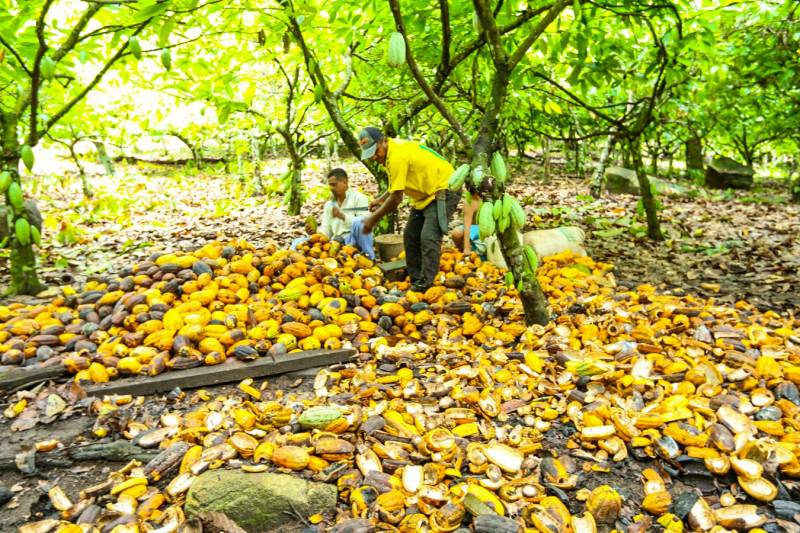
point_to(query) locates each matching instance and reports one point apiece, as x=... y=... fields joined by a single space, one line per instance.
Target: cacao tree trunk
x=694 y=154
x=255 y=160
x=534 y=302
x=599 y=177
x=645 y=190
x=102 y=155
x=24 y=279
x=546 y=159
x=85 y=185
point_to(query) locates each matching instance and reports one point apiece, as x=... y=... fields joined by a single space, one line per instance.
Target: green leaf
x=166 y=30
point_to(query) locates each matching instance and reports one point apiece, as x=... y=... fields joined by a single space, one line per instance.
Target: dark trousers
x=422 y=240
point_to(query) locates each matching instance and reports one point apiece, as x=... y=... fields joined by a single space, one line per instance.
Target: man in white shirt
x=343 y=208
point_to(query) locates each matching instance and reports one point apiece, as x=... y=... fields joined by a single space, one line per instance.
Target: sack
x=545 y=242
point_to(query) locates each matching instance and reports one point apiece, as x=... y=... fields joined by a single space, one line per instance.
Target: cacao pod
x=458 y=177
x=5 y=181
x=15 y=197
x=397 y=50
x=135 y=47
x=27 y=156
x=23 y=231
x=498 y=166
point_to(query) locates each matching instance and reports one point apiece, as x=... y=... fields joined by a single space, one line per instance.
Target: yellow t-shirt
x=417 y=170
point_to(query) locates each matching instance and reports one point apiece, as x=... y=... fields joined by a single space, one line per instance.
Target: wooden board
x=231 y=370
x=22 y=377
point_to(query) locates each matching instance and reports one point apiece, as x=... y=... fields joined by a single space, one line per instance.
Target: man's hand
x=375 y=204
x=337 y=212
x=367 y=224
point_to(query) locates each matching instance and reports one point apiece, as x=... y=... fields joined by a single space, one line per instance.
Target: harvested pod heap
x=456 y=414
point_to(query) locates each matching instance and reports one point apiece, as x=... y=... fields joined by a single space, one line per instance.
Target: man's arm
x=327 y=216
x=469 y=212
x=377 y=202
x=390 y=204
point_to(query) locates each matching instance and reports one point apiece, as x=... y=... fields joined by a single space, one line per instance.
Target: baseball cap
x=368 y=139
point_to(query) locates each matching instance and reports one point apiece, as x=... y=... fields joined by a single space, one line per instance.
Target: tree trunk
x=599 y=177
x=295 y=196
x=645 y=190
x=87 y=187
x=102 y=155
x=546 y=159
x=255 y=160
x=694 y=154
x=24 y=279
x=533 y=300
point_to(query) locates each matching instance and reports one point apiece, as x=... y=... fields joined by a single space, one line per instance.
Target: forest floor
x=729 y=246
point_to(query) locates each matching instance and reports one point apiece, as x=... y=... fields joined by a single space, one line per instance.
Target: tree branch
x=16 y=55
x=444 y=10
x=418 y=76
x=537 y=31
x=36 y=73
x=78 y=97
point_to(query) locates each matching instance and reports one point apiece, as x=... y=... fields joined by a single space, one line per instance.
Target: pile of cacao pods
x=457 y=415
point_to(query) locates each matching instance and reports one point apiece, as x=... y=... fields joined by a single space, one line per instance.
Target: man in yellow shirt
x=421 y=174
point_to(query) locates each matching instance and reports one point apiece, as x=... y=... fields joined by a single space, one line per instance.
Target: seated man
x=342 y=214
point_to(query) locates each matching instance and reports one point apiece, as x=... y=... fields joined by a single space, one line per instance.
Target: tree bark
x=599 y=177
x=24 y=279
x=85 y=185
x=694 y=154
x=102 y=155
x=255 y=160
x=645 y=190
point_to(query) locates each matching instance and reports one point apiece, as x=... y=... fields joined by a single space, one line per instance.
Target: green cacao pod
x=477 y=177
x=27 y=156
x=319 y=417
x=4 y=242
x=486 y=225
x=135 y=47
x=497 y=209
x=166 y=58
x=458 y=177
x=531 y=258
x=502 y=223
x=517 y=214
x=36 y=236
x=507 y=205
x=397 y=50
x=15 y=197
x=23 y=231
x=47 y=67
x=498 y=166
x=5 y=181
x=509 y=279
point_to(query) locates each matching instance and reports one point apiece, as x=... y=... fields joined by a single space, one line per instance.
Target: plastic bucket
x=390 y=246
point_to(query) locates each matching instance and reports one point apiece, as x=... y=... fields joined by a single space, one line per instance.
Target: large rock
x=725 y=173
x=621 y=180
x=259 y=501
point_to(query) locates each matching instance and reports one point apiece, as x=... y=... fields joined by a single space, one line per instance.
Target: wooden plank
x=231 y=370
x=24 y=376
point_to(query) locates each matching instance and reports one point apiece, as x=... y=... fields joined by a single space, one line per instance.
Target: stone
x=725 y=173
x=258 y=501
x=5 y=494
x=621 y=180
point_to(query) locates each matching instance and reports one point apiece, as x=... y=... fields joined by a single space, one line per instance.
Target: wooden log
x=22 y=377
x=120 y=451
x=231 y=370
